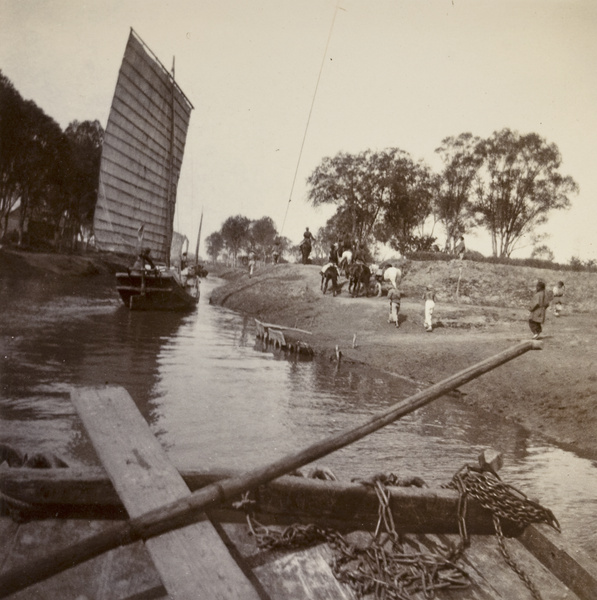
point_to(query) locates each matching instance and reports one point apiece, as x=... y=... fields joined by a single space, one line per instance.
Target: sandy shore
x=553 y=390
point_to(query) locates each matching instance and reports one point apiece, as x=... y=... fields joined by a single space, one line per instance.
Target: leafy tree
x=263 y=235
x=542 y=252
x=235 y=234
x=409 y=190
x=81 y=175
x=214 y=244
x=352 y=182
x=462 y=160
x=519 y=183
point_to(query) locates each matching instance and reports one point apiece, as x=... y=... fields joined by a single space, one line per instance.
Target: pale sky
x=397 y=73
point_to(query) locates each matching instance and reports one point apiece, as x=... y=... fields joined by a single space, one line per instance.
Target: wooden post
x=190 y=509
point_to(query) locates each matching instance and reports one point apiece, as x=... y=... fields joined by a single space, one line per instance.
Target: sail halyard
x=142 y=156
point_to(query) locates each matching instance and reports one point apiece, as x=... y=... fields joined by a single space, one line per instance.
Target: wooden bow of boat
x=197 y=556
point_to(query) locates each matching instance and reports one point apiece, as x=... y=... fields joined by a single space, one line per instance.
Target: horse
x=359 y=278
x=329 y=273
x=305 y=247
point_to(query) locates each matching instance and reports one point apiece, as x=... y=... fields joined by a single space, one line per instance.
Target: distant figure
x=144 y=261
x=252 y=260
x=394 y=298
x=558 y=292
x=429 y=299
x=276 y=253
x=333 y=257
x=460 y=248
x=305 y=245
x=393 y=275
x=537 y=310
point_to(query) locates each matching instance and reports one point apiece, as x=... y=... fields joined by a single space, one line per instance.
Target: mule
x=358 y=279
x=329 y=273
x=345 y=262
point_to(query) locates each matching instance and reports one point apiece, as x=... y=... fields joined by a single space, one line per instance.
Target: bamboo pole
x=190 y=509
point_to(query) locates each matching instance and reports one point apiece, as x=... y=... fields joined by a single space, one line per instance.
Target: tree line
x=49 y=175
x=240 y=235
x=506 y=184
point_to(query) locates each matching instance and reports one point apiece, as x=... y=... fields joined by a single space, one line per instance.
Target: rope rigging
x=298 y=162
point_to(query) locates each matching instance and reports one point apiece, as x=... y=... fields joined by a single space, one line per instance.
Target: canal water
x=215 y=398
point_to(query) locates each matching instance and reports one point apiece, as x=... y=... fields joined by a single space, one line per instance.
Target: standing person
x=333 y=257
x=429 y=299
x=537 y=309
x=252 y=260
x=394 y=298
x=276 y=253
x=558 y=292
x=460 y=248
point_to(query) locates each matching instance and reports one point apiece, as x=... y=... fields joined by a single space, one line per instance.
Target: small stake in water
x=354 y=340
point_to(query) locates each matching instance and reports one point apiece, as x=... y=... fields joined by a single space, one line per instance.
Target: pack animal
x=329 y=273
x=358 y=279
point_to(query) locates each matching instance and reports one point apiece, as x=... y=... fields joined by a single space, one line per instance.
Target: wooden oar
x=190 y=509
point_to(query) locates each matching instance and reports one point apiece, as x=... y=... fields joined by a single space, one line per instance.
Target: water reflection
x=214 y=398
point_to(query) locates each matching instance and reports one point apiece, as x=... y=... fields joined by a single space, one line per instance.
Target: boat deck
x=128 y=572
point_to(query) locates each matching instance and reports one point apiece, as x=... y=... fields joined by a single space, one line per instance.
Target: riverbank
x=480 y=312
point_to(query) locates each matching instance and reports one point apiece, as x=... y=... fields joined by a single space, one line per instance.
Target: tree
x=385 y=194
x=214 y=244
x=518 y=184
x=235 y=234
x=263 y=236
x=85 y=140
x=462 y=160
x=543 y=252
x=352 y=183
x=409 y=190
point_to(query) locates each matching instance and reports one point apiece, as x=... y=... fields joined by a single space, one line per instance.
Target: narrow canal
x=215 y=399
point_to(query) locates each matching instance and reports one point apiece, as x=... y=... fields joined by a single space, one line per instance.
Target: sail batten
x=142 y=156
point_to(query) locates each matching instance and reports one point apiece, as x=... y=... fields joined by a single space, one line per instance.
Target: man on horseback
x=305 y=245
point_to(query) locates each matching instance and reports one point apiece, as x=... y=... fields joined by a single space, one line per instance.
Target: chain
x=505 y=502
x=388 y=566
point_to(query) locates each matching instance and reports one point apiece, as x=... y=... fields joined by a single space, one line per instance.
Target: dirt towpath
x=553 y=390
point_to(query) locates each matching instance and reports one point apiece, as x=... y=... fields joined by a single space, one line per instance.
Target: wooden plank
x=193 y=562
x=569 y=563
x=303 y=575
x=485 y=562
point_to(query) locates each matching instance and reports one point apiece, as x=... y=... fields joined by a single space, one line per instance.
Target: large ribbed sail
x=141 y=156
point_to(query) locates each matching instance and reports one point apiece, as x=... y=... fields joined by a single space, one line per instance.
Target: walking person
x=537 y=310
x=460 y=248
x=429 y=299
x=394 y=298
x=252 y=261
x=558 y=292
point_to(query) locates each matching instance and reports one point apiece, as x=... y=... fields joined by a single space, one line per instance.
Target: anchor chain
x=505 y=502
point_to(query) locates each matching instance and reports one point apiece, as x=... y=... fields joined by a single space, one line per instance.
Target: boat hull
x=150 y=291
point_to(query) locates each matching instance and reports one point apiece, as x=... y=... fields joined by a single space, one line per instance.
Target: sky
x=278 y=85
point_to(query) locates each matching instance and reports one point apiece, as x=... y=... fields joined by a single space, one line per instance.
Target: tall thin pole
x=198 y=239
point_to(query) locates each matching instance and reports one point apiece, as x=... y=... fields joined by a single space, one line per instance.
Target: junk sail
x=141 y=157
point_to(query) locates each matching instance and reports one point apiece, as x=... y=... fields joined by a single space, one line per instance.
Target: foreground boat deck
x=128 y=572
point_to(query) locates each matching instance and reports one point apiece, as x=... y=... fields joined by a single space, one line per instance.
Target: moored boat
x=141 y=160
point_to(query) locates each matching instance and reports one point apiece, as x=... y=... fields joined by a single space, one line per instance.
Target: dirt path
x=553 y=390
